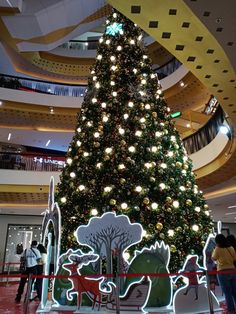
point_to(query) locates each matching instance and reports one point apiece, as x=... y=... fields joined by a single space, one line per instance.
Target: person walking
x=225 y=255
x=32 y=257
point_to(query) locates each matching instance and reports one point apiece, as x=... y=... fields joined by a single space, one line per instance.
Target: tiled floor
x=8 y=306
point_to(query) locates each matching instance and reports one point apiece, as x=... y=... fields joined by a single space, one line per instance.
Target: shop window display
x=19 y=237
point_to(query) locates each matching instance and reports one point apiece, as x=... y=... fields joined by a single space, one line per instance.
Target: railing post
x=117 y=293
x=209 y=295
x=27 y=296
x=8 y=273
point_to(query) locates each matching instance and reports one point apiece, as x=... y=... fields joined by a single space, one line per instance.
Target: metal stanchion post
x=117 y=294
x=8 y=273
x=28 y=292
x=211 y=307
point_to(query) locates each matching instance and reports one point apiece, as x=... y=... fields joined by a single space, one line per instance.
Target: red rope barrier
x=186 y=274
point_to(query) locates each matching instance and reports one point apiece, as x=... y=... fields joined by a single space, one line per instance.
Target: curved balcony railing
x=52 y=88
x=168 y=68
x=40 y=86
x=31 y=162
x=81 y=45
x=205 y=134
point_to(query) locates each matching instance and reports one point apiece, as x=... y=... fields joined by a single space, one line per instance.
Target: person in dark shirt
x=231 y=241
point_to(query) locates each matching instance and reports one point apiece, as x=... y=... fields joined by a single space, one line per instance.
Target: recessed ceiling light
x=9 y=137
x=181 y=84
x=48 y=142
x=51 y=109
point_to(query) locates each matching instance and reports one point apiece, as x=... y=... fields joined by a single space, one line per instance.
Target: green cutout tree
x=126 y=155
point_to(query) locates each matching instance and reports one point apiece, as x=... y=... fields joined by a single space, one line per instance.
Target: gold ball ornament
x=206 y=206
x=178 y=164
x=189 y=202
x=179 y=229
x=185 y=166
x=154 y=114
x=159 y=226
x=169 y=209
x=123 y=142
x=146 y=200
x=112 y=201
x=173 y=248
x=162 y=236
x=107 y=157
x=169 y=199
x=96 y=144
x=152 y=179
x=122 y=181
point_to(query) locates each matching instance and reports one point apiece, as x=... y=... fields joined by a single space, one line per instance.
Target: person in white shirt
x=32 y=257
x=40 y=271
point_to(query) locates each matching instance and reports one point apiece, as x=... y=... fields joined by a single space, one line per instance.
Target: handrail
x=43 y=161
x=203 y=136
x=64 y=89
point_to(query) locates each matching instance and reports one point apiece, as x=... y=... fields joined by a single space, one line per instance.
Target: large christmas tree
x=126 y=155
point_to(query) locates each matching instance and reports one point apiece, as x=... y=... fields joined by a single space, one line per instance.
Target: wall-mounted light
x=9 y=137
x=0 y=102
x=51 y=110
x=181 y=84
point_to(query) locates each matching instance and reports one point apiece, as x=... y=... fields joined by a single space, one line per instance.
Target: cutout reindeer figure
x=81 y=284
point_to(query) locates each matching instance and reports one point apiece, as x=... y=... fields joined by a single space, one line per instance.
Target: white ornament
x=138 y=189
x=69 y=161
x=131 y=149
x=94 y=212
x=124 y=206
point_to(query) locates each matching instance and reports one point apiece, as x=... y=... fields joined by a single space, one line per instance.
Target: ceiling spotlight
x=48 y=142
x=51 y=110
x=218 y=20
x=188 y=125
x=181 y=84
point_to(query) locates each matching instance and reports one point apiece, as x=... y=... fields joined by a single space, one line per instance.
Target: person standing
x=32 y=257
x=231 y=241
x=40 y=270
x=225 y=255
